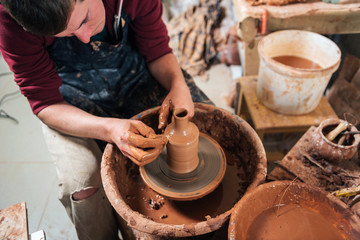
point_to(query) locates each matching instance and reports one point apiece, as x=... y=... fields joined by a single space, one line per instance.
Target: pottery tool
x=343 y=125
x=347 y=192
x=350 y=133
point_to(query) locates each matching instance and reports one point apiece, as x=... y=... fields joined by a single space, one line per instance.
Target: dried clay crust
x=273 y=2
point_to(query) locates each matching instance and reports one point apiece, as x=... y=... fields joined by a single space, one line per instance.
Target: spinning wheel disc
x=189 y=186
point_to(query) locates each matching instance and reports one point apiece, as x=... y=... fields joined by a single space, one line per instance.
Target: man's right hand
x=139 y=142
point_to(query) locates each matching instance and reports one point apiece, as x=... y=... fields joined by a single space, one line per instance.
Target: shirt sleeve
x=27 y=57
x=151 y=35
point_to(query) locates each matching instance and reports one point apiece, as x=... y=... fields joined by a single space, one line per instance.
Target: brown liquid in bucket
x=291 y=222
x=297 y=62
x=144 y=214
x=292 y=210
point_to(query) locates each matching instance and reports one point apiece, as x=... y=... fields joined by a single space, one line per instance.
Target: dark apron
x=109 y=80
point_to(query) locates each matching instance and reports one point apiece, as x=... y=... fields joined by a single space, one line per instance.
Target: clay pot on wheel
x=182 y=147
x=329 y=150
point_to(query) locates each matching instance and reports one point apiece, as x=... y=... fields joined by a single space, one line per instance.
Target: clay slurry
x=297 y=62
x=291 y=222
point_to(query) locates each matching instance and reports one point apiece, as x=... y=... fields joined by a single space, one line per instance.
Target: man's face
x=86 y=20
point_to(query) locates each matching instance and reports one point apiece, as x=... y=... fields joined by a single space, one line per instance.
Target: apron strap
x=117 y=22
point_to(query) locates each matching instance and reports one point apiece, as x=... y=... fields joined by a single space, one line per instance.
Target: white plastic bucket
x=291 y=90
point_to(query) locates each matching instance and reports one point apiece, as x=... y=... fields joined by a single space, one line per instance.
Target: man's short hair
x=40 y=17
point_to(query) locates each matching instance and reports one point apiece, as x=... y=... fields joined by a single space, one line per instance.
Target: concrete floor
x=27 y=173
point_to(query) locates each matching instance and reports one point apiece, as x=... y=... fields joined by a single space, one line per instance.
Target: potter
x=86 y=67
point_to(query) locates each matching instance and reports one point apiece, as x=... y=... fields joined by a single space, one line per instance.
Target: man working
x=86 y=67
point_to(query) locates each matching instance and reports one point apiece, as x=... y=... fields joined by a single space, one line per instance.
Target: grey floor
x=27 y=173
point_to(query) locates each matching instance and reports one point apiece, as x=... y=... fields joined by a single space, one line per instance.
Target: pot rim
x=293 y=71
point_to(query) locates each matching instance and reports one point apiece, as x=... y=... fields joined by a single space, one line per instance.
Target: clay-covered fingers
x=141 y=128
x=164 y=114
x=144 y=145
x=142 y=157
x=151 y=141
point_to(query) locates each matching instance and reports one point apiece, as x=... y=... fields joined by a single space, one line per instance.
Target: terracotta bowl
x=233 y=134
x=263 y=209
x=330 y=151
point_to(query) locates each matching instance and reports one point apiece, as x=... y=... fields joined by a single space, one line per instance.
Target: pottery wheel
x=189 y=186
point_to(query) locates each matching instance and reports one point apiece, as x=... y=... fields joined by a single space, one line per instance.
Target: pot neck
x=181 y=119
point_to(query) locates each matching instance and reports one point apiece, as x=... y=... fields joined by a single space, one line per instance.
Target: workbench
x=313 y=15
x=299 y=164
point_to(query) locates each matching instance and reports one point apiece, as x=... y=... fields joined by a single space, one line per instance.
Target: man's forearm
x=132 y=137
x=166 y=71
x=74 y=121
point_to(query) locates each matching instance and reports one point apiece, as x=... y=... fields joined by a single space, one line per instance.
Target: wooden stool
x=267 y=121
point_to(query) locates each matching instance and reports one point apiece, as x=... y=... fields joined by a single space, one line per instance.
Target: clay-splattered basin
x=281 y=208
x=237 y=139
x=330 y=151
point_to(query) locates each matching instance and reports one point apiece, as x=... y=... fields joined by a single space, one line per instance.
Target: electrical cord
x=4 y=114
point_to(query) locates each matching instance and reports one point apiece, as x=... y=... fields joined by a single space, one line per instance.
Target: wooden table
x=314 y=15
x=266 y=121
x=298 y=164
x=13 y=222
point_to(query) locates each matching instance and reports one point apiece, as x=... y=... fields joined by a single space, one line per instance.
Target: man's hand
x=140 y=143
x=167 y=72
x=178 y=97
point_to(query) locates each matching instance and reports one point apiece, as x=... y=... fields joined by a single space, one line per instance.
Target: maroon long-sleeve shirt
x=35 y=73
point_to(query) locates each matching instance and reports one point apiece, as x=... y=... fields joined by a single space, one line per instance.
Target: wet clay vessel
x=145 y=214
x=290 y=210
x=183 y=142
x=191 y=166
x=329 y=150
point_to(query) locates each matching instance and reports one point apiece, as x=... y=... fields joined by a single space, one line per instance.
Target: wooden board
x=295 y=165
x=345 y=99
x=356 y=79
x=265 y=119
x=13 y=222
x=315 y=15
x=349 y=67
